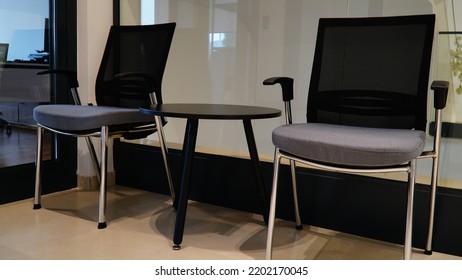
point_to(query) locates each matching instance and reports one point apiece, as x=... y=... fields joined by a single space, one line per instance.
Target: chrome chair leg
x=298 y=221
x=434 y=180
x=93 y=157
x=103 y=187
x=163 y=147
x=272 y=211
x=38 y=171
x=410 y=208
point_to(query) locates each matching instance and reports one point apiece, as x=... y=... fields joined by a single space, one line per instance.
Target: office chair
x=367 y=105
x=130 y=76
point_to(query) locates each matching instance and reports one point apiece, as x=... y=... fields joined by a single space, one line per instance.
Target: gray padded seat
x=82 y=118
x=349 y=145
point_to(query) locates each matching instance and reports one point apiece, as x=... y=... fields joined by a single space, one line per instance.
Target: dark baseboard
x=448 y=130
x=20 y=180
x=363 y=206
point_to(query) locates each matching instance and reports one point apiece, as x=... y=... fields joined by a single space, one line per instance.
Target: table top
x=211 y=111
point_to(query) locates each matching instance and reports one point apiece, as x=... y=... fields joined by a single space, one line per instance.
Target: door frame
x=59 y=173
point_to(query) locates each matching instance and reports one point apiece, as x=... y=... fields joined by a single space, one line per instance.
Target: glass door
x=31 y=33
x=24 y=51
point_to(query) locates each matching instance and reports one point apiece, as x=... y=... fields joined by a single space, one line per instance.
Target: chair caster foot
x=37 y=206
x=428 y=252
x=176 y=247
x=102 y=225
x=299 y=227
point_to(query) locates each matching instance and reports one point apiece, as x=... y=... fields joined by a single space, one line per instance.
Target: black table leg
x=256 y=168
x=189 y=145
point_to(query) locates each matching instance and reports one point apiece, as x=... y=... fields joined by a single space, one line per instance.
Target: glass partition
x=24 y=51
x=448 y=66
x=224 y=49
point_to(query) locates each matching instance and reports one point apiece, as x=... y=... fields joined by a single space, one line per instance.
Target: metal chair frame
x=100 y=166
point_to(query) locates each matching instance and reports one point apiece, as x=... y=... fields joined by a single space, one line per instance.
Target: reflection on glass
x=24 y=51
x=223 y=50
x=222 y=40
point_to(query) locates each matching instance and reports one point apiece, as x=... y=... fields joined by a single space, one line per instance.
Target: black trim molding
x=448 y=130
x=116 y=12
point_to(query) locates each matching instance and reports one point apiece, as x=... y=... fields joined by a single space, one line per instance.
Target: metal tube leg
x=410 y=206
x=298 y=221
x=38 y=171
x=94 y=158
x=434 y=182
x=431 y=218
x=272 y=210
x=102 y=191
x=163 y=147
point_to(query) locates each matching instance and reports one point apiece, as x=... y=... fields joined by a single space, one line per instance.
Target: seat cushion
x=85 y=118
x=348 y=145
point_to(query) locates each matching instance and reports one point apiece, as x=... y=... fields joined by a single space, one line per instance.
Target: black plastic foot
x=300 y=227
x=102 y=225
x=428 y=252
x=37 y=206
x=176 y=247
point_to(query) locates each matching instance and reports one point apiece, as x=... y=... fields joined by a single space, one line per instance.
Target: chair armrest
x=71 y=76
x=287 y=85
x=440 y=89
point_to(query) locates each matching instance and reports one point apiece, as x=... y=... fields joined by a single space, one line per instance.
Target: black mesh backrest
x=133 y=49
x=372 y=72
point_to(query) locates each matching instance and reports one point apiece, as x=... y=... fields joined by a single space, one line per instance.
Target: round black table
x=193 y=113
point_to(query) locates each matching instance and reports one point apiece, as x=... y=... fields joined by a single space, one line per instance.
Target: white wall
x=94 y=19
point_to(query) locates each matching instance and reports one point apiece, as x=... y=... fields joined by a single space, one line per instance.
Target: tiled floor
x=141 y=227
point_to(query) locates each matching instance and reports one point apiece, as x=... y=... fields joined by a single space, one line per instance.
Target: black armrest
x=441 y=93
x=71 y=76
x=287 y=85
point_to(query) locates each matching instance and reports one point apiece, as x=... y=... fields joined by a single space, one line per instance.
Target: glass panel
x=223 y=50
x=24 y=51
x=448 y=66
